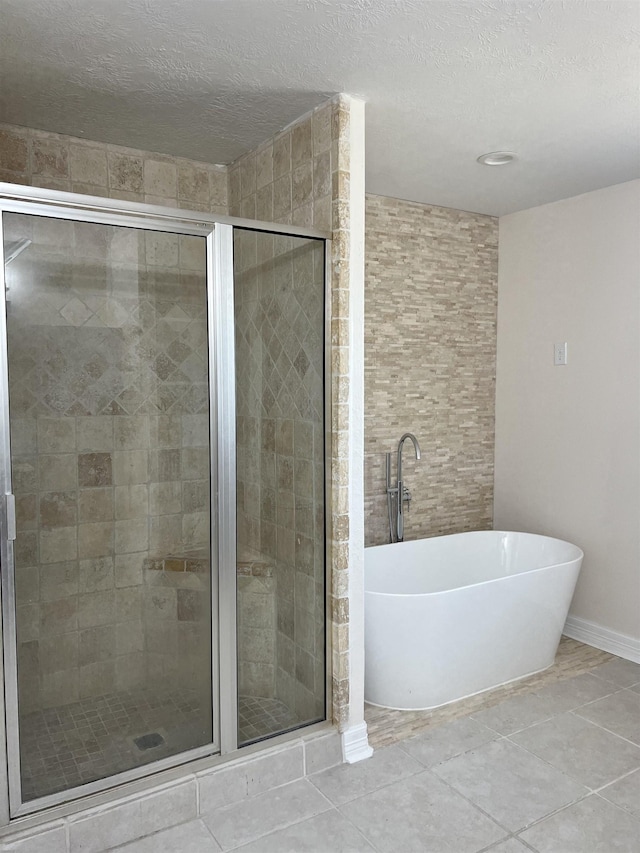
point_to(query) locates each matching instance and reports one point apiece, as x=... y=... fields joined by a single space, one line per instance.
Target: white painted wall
x=568 y=438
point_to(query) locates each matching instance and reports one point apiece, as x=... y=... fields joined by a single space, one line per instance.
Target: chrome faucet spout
x=400 y=491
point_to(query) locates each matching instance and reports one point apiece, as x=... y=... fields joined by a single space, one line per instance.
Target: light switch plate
x=560 y=354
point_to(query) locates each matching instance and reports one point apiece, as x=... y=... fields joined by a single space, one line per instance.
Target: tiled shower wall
x=430 y=349
x=53 y=161
x=301 y=177
x=109 y=421
x=280 y=396
x=100 y=607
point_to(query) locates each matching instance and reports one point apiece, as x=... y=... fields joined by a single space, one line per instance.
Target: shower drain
x=148 y=741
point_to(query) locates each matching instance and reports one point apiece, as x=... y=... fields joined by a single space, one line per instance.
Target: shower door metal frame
x=218 y=231
x=219 y=290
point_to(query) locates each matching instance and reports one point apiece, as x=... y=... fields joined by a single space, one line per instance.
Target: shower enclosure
x=163 y=486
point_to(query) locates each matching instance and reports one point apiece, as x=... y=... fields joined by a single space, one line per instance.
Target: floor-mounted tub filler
x=456 y=615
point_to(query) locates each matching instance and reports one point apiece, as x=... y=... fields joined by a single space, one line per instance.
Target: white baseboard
x=355 y=744
x=602 y=638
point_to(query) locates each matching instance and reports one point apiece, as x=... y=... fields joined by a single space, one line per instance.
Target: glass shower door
x=279 y=286
x=108 y=395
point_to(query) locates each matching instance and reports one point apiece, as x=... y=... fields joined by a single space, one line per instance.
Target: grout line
x=475 y=806
x=605 y=729
x=614 y=781
x=420 y=769
x=279 y=828
x=357 y=828
x=495 y=844
x=556 y=811
x=526 y=844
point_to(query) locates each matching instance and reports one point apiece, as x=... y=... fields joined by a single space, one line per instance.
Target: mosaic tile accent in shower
x=259 y=717
x=430 y=345
x=82 y=373
x=73 y=744
x=78 y=743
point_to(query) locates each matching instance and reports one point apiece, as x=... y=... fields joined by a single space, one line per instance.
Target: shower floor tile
x=74 y=744
x=83 y=741
x=259 y=718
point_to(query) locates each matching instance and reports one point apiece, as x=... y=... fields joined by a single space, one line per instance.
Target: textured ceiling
x=556 y=82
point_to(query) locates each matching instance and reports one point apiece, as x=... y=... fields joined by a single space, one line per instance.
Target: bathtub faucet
x=399 y=490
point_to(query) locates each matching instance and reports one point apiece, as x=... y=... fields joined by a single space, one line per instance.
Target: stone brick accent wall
x=430 y=350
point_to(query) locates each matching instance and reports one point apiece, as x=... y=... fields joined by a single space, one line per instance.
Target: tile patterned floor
x=551 y=767
x=77 y=743
x=259 y=718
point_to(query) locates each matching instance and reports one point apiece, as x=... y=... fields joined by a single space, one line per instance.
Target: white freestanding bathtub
x=456 y=615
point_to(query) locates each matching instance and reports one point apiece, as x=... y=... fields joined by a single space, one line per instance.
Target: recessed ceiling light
x=497 y=158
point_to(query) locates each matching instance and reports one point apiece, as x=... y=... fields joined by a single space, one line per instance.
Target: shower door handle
x=10 y=516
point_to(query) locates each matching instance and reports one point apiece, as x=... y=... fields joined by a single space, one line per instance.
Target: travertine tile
x=160 y=178
x=58 y=544
x=96 y=644
x=57 y=472
x=129 y=467
x=56 y=435
x=95 y=504
x=50 y=156
x=218 y=198
x=94 y=469
x=88 y=164
x=95 y=539
x=59 y=617
x=57 y=509
x=301 y=148
x=58 y=580
x=95 y=574
x=14 y=150
x=193 y=182
x=131 y=433
x=59 y=652
x=96 y=608
x=125 y=172
x=94 y=433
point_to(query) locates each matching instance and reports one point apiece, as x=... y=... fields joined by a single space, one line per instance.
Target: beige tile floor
x=551 y=765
